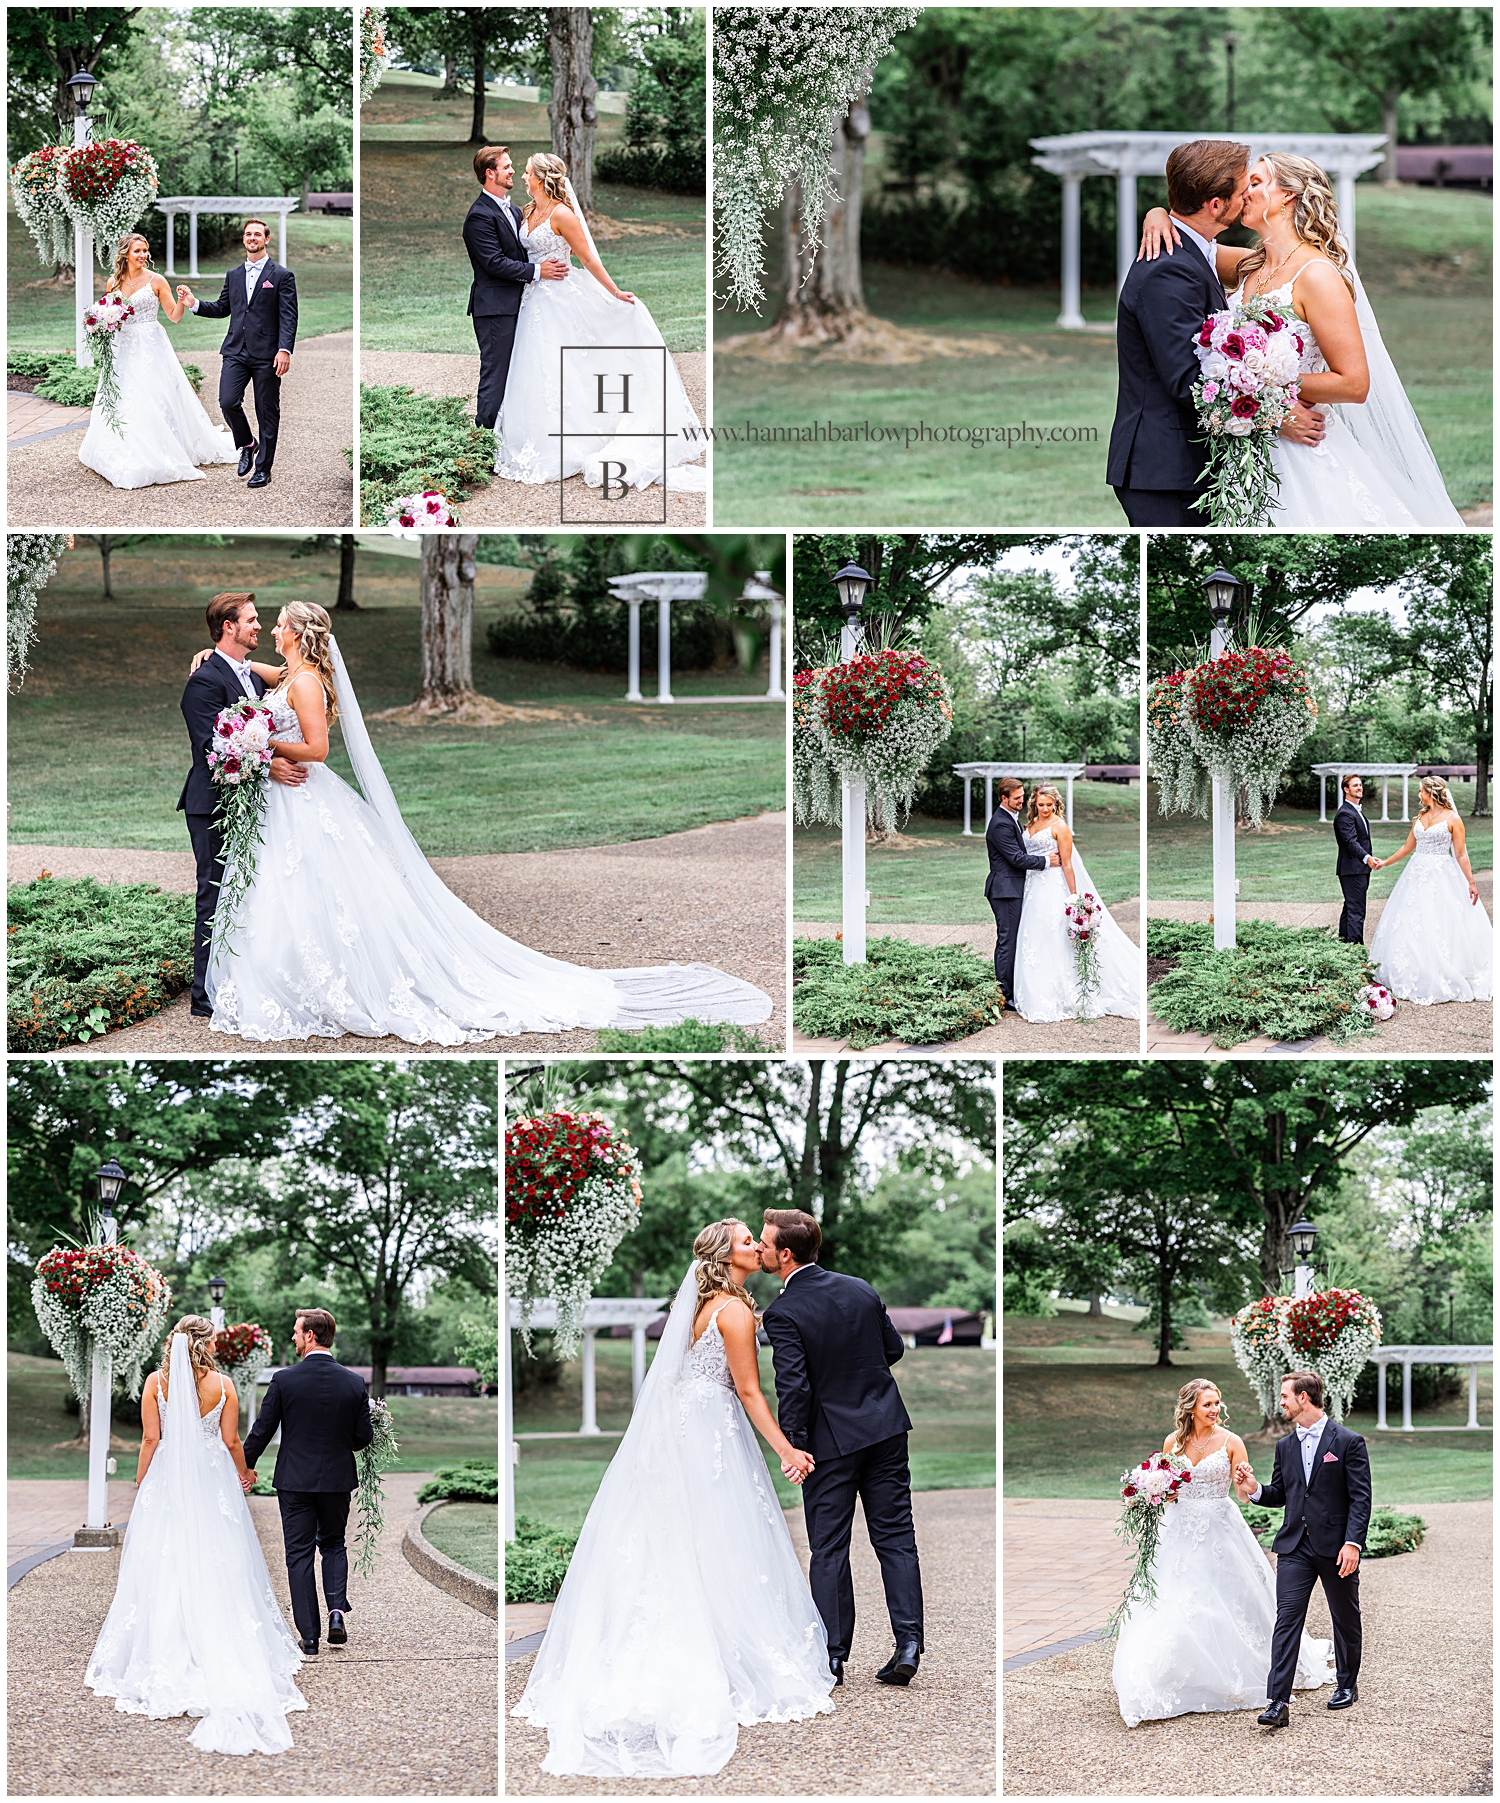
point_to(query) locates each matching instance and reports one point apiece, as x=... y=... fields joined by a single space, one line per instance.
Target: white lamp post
x=81 y=86
x=852 y=584
x=1302 y=1235
x=1223 y=589
x=96 y=1531
x=509 y=1449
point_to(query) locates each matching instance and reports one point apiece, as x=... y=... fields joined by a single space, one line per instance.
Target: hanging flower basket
x=572 y=1193
x=879 y=719
x=1246 y=713
x=107 y=1294
x=1255 y=1335
x=1182 y=781
x=30 y=559
x=374 y=49
x=106 y=187
x=33 y=182
x=815 y=781
x=1332 y=1332
x=242 y=1353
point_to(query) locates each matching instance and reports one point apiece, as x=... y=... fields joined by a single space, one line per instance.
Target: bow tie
x=1304 y=1432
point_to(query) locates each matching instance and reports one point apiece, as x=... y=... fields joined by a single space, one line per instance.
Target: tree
x=346 y=545
x=479 y=38
x=45 y=47
x=447 y=623
x=822 y=284
x=304 y=151
x=107 y=544
x=570 y=48
x=1449 y=589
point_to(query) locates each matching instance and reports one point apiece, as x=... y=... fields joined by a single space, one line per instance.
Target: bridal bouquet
x=239 y=758
x=1376 y=1001
x=1249 y=361
x=1144 y=1492
x=1084 y=913
x=102 y=322
x=411 y=512
x=370 y=1461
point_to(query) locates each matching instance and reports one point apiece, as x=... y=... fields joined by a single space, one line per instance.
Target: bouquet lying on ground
x=1377 y=1001
x=1085 y=912
x=239 y=761
x=102 y=323
x=1145 y=1491
x=1249 y=359
x=370 y=1461
x=407 y=515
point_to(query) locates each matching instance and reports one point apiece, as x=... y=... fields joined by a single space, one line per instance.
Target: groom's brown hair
x=486 y=159
x=1207 y=169
x=224 y=610
x=797 y=1232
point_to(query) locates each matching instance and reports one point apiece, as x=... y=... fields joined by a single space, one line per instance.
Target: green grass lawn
x=939 y=880
x=430 y=1430
x=319 y=252
x=1425 y=256
x=599 y=772
x=469 y=1533
x=1291 y=862
x=416 y=189
x=1054 y=1368
x=949 y=1393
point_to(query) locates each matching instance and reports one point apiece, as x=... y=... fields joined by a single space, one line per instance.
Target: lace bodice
x=147 y=307
x=1042 y=843
x=1432 y=841
x=284 y=719
x=1211 y=1479
x=708 y=1360
x=208 y=1424
x=1311 y=361
x=544 y=243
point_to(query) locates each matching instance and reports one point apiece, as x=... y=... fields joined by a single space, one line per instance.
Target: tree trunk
x=105 y=542
x=380 y=1353
x=346 y=604
x=450 y=77
x=822 y=287
x=447 y=621
x=1484 y=746
x=1164 y=1300
x=478 y=44
x=1389 y=106
x=1096 y=1306
x=570 y=46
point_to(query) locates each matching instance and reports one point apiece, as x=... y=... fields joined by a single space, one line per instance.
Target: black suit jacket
x=1352 y=831
x=323 y=1411
x=1009 y=858
x=1334 y=1509
x=1155 y=442
x=834 y=1345
x=492 y=237
x=267 y=324
x=210 y=689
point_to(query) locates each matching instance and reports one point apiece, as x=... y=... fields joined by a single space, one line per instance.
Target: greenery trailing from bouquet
x=30 y=559
x=107 y=1296
x=1146 y=1490
x=369 y=1496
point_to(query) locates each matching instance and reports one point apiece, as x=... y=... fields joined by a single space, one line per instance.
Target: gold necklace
x=1266 y=278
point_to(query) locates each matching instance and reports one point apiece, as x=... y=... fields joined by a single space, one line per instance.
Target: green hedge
x=1390 y=1531
x=536 y=1561
x=680 y=169
x=66 y=384
x=86 y=956
x=472 y=1480
x=921 y=994
x=686 y=1036
x=1285 y=982
x=410 y=443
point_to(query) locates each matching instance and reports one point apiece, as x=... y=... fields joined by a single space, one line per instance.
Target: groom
x=833 y=1344
x=323 y=1411
x=1157 y=453
x=1355 y=863
x=259 y=299
x=1322 y=1483
x=1005 y=887
x=217 y=683
x=492 y=237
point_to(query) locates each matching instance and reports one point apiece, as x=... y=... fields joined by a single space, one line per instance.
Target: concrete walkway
x=406 y=1709
x=28 y=418
x=1422 y=1726
x=42 y=1514
x=1065 y=1571
x=715 y=894
x=936 y=1738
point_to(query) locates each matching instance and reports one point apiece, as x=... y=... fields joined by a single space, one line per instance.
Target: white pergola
x=1128 y=154
x=1026 y=772
x=1384 y=771
x=194 y=204
x=1406 y=1357
x=666 y=586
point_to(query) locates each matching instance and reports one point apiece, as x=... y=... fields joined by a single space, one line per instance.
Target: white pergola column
x=664 y=651
x=989 y=799
x=1385 y=798
x=281 y=240
x=171 y=243
x=1125 y=254
x=775 y=692
x=1380 y=1394
x=1322 y=799
x=192 y=241
x=1223 y=830
x=968 y=827
x=1071 y=317
x=1070 y=804
x=633 y=693
x=1346 y=208
x=1473 y=1396
x=1404 y=814
x=590 y=1415
x=1406 y=1396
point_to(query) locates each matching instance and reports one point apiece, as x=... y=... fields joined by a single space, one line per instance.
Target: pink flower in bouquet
x=1210 y=391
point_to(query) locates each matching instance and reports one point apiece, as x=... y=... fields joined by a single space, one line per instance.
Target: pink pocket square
x=1330 y=1458
x=267 y=284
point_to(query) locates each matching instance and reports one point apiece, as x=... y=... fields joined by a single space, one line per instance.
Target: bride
x=1434 y=942
x=583 y=310
x=1374 y=470
x=1204 y=1645
x=165 y=432
x=684 y=1612
x=195 y=1628
x=1046 y=964
x=346 y=928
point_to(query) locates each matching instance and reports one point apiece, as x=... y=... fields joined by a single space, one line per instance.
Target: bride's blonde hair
x=1031 y=807
x=1438 y=790
x=552 y=173
x=122 y=257
x=201 y=1335
x=1315 y=213
x=314 y=630
x=712 y=1249
x=1187 y=1401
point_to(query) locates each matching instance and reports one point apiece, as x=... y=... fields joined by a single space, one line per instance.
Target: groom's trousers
x=315 y=1519
x=1356 y=890
x=1297 y=1572
x=1007 y=912
x=237 y=373
x=496 y=333
x=208 y=856
x=879 y=1476
x=1160 y=506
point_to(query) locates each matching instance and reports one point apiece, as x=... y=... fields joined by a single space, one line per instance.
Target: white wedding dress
x=1204 y=1645
x=579 y=312
x=684 y=1612
x=165 y=433
x=1374 y=470
x=348 y=929
x=1046 y=964
x=195 y=1628
x=1432 y=943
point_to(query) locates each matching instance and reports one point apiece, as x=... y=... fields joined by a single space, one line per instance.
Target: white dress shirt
x=241 y=670
x=791 y=1274
x=1205 y=245
x=1308 y=1438
x=504 y=206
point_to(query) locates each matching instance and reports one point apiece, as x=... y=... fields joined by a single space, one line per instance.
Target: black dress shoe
x=308 y=1646
x=338 y=1634
x=261 y=479
x=836 y=1666
x=203 y=1013
x=247 y=457
x=1277 y=1716
x=902 y=1665
x=1344 y=1696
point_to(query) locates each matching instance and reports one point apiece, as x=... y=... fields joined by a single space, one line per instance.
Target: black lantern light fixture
x=1223 y=590
x=851 y=584
x=111 y=1180
x=81 y=86
x=216 y=1290
x=1303 y=1235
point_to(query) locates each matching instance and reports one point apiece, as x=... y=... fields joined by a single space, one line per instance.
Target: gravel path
x=311 y=483
x=515 y=505
x=1422 y=1726
x=715 y=894
x=936 y=1738
x=406 y=1709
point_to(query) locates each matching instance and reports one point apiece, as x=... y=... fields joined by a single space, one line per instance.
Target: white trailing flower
x=33 y=183
x=106 y=187
x=104 y=1295
x=374 y=49
x=1255 y=1335
x=30 y=559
